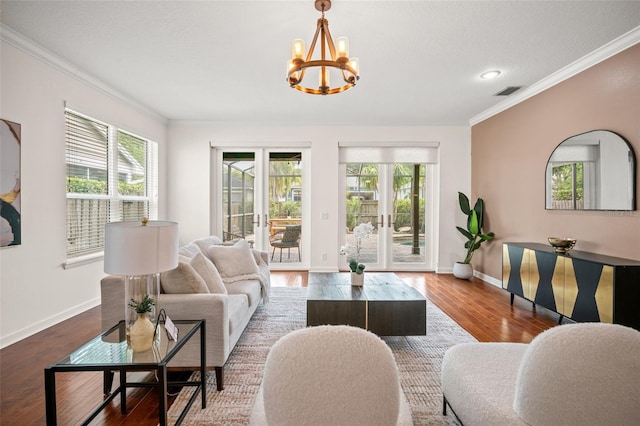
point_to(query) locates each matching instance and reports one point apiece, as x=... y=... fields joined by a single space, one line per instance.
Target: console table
x=582 y=286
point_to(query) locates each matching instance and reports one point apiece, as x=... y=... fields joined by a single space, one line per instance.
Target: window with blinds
x=112 y=175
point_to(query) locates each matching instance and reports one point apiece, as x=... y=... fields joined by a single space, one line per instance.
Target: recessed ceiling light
x=490 y=74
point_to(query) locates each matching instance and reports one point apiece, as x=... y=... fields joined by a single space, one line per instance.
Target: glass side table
x=109 y=352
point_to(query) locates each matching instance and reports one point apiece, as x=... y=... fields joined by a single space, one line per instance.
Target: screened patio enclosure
x=238 y=194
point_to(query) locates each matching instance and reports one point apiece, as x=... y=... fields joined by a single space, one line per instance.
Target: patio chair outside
x=288 y=239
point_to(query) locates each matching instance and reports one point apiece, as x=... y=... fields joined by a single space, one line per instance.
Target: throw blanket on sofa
x=262 y=276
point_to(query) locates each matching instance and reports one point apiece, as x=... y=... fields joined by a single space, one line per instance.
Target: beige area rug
x=418 y=358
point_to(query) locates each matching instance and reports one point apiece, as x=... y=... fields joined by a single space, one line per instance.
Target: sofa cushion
x=233 y=261
x=205 y=268
x=183 y=279
x=190 y=250
x=237 y=309
x=205 y=242
x=250 y=288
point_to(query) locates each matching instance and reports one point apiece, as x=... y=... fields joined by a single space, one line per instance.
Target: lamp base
x=136 y=288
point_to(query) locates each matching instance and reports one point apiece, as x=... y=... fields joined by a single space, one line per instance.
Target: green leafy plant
x=289 y=208
x=356 y=267
x=475 y=219
x=143 y=306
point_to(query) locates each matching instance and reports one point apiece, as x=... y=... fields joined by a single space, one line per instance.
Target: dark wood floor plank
x=480 y=308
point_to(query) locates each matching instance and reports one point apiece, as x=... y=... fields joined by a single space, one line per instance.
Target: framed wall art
x=10 y=227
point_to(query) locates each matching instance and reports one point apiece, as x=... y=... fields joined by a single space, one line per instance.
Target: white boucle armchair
x=331 y=375
x=575 y=374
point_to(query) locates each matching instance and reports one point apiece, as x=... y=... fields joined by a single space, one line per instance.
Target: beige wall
x=510 y=151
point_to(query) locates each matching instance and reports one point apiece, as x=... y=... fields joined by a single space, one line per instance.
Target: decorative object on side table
x=140 y=251
x=361 y=231
x=142 y=331
x=562 y=245
x=474 y=235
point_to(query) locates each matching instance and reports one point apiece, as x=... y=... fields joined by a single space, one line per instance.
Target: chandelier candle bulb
x=355 y=64
x=297 y=49
x=291 y=66
x=342 y=47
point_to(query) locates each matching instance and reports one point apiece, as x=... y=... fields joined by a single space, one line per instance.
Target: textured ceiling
x=225 y=61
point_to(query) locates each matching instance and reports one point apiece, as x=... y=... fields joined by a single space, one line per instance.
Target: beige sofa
x=225 y=290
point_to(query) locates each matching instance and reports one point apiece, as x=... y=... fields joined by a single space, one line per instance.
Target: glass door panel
x=262 y=202
x=408 y=223
x=238 y=191
x=285 y=207
x=393 y=198
x=362 y=206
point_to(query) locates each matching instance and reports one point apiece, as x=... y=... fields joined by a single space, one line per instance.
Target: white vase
x=357 y=279
x=141 y=334
x=462 y=270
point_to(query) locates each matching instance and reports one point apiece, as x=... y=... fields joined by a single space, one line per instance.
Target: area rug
x=418 y=358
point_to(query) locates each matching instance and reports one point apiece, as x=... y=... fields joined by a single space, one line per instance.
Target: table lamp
x=139 y=252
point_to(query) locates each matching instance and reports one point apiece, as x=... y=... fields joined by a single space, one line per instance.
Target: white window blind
x=412 y=153
x=112 y=175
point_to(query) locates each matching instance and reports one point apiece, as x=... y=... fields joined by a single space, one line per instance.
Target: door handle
x=257 y=223
x=389 y=221
x=381 y=221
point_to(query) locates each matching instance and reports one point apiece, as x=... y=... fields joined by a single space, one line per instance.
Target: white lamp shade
x=131 y=248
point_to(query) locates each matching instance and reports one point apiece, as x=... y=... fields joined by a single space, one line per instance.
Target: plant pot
x=463 y=271
x=141 y=334
x=357 y=279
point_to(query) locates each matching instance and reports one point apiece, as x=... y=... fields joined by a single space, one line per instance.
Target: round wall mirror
x=592 y=171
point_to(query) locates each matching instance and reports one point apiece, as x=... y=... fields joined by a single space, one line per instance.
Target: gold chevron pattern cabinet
x=582 y=286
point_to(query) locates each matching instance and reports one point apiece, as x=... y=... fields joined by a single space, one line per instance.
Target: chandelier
x=339 y=60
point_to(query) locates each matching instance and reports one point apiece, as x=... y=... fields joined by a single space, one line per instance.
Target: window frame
x=95 y=243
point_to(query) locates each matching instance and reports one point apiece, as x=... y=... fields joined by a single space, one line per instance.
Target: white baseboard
x=484 y=277
x=324 y=269
x=46 y=323
x=488 y=279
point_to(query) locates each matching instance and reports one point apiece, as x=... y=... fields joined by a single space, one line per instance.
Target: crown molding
x=616 y=46
x=33 y=49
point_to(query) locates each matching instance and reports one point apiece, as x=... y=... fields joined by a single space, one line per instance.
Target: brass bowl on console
x=562 y=245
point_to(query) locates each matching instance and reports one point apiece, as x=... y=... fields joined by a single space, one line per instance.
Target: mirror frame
x=633 y=174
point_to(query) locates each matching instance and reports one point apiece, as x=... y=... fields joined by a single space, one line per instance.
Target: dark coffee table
x=385 y=304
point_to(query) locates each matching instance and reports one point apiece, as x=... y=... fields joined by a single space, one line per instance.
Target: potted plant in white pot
x=473 y=233
x=357 y=269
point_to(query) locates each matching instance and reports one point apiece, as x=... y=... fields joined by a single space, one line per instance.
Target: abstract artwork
x=10 y=229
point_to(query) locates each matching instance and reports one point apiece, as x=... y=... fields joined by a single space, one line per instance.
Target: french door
x=260 y=197
x=397 y=198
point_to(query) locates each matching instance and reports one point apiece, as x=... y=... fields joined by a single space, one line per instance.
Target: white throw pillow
x=204 y=242
x=190 y=250
x=183 y=279
x=234 y=260
x=207 y=270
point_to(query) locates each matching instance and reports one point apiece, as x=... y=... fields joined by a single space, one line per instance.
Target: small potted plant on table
x=142 y=331
x=357 y=269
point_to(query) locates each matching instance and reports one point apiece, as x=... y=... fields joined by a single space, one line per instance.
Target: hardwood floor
x=482 y=309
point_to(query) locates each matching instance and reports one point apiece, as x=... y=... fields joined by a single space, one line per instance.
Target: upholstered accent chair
x=575 y=374
x=289 y=238
x=331 y=375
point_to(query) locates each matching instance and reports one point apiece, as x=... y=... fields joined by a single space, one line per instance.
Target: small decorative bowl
x=562 y=245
